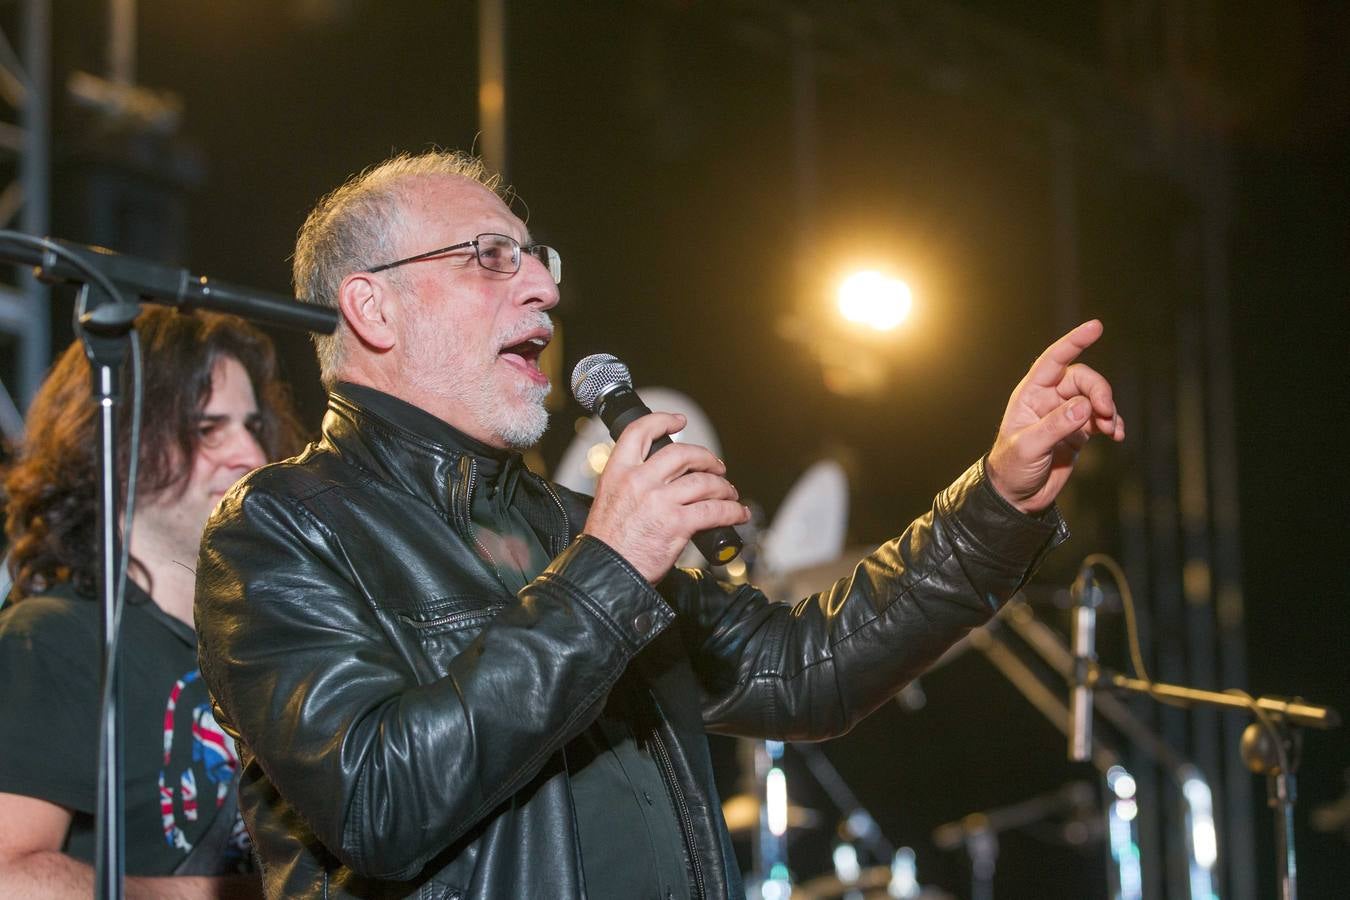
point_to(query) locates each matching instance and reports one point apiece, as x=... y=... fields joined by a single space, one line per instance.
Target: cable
x=129 y=507
x=1127 y=600
x=56 y=249
x=133 y=462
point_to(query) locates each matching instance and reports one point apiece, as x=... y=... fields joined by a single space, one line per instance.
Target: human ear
x=367 y=306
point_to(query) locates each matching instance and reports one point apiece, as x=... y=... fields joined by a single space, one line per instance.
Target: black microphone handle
x=618 y=408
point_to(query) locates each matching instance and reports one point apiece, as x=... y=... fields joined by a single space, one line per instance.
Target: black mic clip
x=1086 y=590
x=1086 y=594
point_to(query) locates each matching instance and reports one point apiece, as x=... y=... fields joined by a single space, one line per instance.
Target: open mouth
x=525 y=354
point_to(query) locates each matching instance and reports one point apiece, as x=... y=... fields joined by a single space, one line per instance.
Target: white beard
x=515 y=415
x=521 y=427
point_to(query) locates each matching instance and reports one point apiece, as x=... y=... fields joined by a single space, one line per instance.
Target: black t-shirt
x=180 y=769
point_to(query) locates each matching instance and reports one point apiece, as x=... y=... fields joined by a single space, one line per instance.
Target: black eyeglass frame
x=551 y=259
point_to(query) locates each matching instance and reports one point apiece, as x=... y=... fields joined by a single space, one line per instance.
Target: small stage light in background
x=874 y=300
x=853 y=327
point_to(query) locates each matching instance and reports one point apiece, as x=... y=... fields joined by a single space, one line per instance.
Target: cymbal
x=871 y=882
x=742 y=814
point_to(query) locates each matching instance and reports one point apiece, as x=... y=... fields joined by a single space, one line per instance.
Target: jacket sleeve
x=812 y=670
x=387 y=771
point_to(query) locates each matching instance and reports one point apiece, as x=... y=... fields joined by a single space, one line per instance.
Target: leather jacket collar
x=434 y=462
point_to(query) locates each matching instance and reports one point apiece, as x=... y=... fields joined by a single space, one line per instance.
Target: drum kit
x=849 y=881
x=765 y=818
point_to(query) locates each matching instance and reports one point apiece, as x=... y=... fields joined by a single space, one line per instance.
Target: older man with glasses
x=449 y=677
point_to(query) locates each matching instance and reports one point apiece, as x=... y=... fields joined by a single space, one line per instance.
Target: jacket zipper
x=468 y=520
x=567 y=522
x=681 y=807
x=462 y=615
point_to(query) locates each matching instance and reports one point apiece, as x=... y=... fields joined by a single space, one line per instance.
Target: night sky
x=653 y=145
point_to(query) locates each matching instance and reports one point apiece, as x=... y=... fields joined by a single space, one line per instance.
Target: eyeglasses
x=496 y=252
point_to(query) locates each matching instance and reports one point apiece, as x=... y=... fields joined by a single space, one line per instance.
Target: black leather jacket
x=403 y=720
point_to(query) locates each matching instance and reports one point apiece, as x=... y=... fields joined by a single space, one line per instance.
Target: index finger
x=1049 y=367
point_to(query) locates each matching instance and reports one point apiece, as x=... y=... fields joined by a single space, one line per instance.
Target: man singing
x=451 y=678
x=213 y=411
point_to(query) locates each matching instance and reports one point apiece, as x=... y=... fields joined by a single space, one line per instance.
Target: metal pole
x=1223 y=480
x=34 y=175
x=492 y=82
x=122 y=42
x=1282 y=799
x=110 y=852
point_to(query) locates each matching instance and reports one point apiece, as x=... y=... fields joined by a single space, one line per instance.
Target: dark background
x=653 y=144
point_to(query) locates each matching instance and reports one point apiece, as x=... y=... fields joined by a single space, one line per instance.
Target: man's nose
x=245 y=452
x=543 y=291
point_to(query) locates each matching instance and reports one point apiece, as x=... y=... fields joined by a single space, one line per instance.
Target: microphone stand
x=1018 y=617
x=1269 y=746
x=105 y=331
x=979 y=831
x=105 y=328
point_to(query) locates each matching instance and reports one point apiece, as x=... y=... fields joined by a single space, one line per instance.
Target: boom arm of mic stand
x=169 y=285
x=1294 y=712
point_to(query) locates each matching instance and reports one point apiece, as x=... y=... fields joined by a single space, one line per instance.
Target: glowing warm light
x=736 y=570
x=597 y=456
x=776 y=801
x=874 y=300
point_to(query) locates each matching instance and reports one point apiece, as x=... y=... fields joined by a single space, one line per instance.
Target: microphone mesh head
x=595 y=375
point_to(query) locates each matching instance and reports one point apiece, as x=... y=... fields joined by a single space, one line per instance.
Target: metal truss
x=25 y=98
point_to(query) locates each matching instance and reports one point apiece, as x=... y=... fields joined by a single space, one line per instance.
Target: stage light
x=778 y=886
x=904 y=875
x=776 y=801
x=1122 y=815
x=874 y=300
x=846 y=867
x=1200 y=813
x=1120 y=782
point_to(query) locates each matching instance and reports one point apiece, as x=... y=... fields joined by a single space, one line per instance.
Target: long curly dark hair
x=52 y=513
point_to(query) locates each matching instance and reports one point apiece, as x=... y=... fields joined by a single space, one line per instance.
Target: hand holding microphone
x=649 y=504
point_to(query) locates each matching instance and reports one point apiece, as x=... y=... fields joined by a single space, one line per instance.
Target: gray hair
x=351 y=228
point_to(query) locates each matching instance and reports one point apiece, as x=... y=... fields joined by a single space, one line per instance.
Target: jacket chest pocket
x=434 y=632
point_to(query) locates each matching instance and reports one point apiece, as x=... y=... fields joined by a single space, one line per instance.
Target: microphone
x=178 y=287
x=1087 y=595
x=603 y=385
